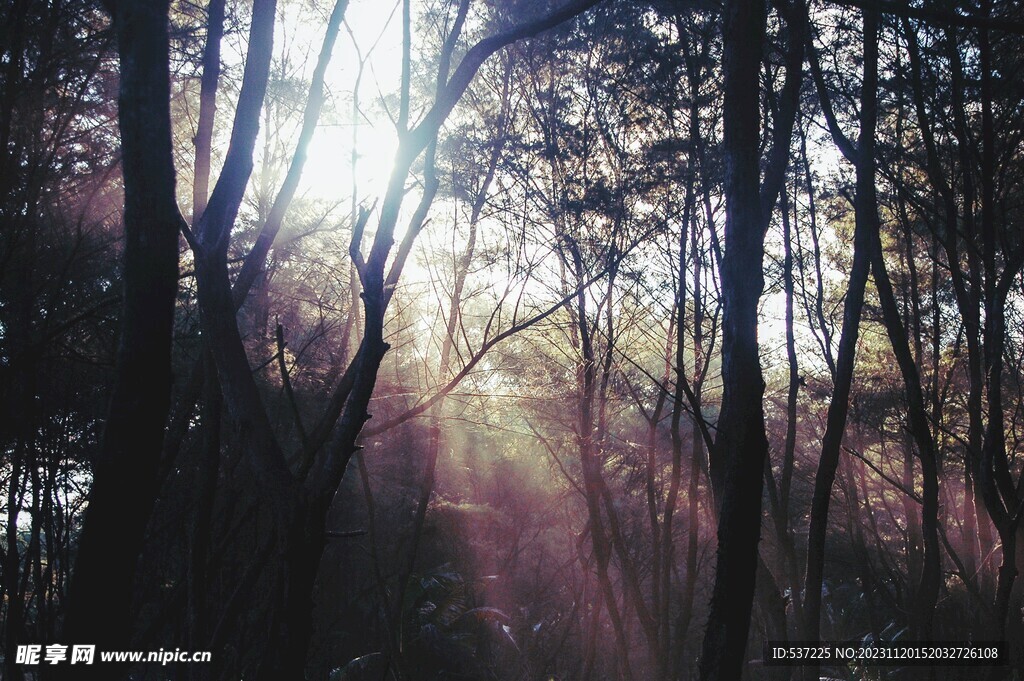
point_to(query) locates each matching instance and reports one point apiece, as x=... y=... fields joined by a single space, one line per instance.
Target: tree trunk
x=926 y=591
x=864 y=207
x=125 y=472
x=741 y=446
x=207 y=108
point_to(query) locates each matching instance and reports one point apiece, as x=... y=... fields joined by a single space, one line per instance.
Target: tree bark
x=742 y=446
x=125 y=471
x=926 y=591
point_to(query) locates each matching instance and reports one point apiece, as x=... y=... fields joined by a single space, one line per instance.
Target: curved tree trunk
x=865 y=223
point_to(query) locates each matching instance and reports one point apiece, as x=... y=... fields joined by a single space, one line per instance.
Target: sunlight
x=328 y=171
x=367 y=57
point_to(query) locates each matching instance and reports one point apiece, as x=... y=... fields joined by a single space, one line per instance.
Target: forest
x=510 y=340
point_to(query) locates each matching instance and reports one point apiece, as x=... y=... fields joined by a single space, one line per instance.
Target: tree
x=741 y=446
x=58 y=295
x=125 y=479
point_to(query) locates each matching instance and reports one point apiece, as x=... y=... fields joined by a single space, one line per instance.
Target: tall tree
x=863 y=158
x=741 y=446
x=125 y=482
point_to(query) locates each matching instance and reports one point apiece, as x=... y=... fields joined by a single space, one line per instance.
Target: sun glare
x=365 y=69
x=328 y=171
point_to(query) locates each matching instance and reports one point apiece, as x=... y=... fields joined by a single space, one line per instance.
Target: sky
x=374 y=30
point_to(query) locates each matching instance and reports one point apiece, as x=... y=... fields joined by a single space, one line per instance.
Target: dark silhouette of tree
x=58 y=294
x=125 y=481
x=741 y=446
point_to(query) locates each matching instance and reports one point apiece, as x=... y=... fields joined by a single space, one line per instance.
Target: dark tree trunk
x=742 y=446
x=125 y=472
x=206 y=466
x=783 y=530
x=926 y=590
x=865 y=222
x=698 y=459
x=207 y=108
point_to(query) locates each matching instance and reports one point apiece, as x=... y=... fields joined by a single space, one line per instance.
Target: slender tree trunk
x=207 y=108
x=780 y=501
x=742 y=446
x=864 y=207
x=697 y=463
x=15 y=616
x=206 y=469
x=207 y=457
x=913 y=545
x=667 y=557
x=926 y=590
x=864 y=567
